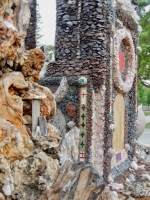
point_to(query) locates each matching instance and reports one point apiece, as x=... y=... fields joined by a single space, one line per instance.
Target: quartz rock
x=69 y=146
x=144 y=177
x=134 y=165
x=62 y=90
x=132 y=178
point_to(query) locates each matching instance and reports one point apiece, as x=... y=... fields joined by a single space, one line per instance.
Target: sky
x=47 y=9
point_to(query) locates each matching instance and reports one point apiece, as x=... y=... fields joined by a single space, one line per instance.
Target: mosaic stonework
x=98 y=40
x=98 y=130
x=83 y=114
x=119 y=158
x=70 y=104
x=125 y=82
x=94 y=84
x=129 y=9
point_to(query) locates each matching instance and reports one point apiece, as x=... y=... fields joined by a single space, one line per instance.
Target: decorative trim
x=89 y=125
x=98 y=121
x=83 y=114
x=124 y=86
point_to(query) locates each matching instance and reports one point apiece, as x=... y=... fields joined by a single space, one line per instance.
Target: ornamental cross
x=83 y=94
x=83 y=124
x=83 y=116
x=83 y=107
x=82 y=134
x=82 y=144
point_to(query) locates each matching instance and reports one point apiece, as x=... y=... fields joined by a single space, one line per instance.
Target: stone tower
x=96 y=49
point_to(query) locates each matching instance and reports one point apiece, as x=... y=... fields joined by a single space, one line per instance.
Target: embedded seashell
x=112 y=127
x=111 y=152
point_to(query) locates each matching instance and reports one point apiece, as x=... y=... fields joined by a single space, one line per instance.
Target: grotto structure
x=96 y=50
x=71 y=134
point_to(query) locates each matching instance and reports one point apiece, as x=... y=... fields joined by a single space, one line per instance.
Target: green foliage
x=49 y=51
x=143 y=94
x=144 y=55
x=147 y=113
x=147 y=125
x=142 y=6
x=148 y=99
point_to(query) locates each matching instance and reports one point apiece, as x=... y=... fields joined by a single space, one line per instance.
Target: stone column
x=66 y=39
x=95 y=22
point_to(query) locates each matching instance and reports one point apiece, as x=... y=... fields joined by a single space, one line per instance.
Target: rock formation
x=11 y=116
x=31 y=149
x=36 y=161
x=76 y=181
x=24 y=18
x=69 y=144
x=4 y=4
x=26 y=158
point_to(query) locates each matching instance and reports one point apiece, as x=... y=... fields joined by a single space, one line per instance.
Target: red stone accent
x=121 y=60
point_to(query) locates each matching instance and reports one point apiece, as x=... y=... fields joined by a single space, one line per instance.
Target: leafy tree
x=143 y=6
x=144 y=55
x=142 y=94
x=148 y=99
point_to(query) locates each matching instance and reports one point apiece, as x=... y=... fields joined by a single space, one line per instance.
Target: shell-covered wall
x=88 y=43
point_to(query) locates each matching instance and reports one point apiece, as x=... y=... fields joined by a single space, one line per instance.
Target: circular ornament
x=123 y=83
x=82 y=80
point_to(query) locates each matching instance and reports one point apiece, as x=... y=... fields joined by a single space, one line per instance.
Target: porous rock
x=11 y=117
